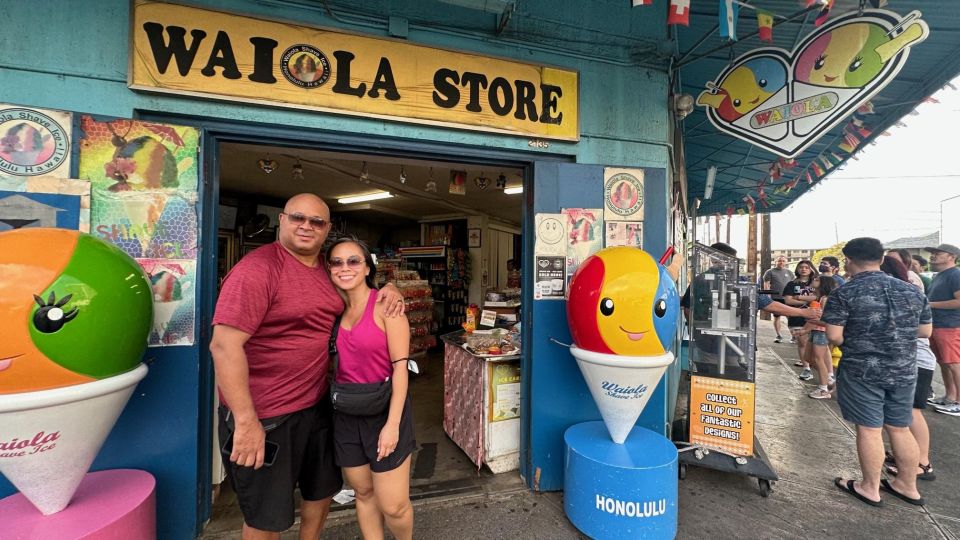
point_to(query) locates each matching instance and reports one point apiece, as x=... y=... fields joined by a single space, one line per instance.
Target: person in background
x=919 y=265
x=513 y=274
x=830 y=266
x=819 y=348
x=904 y=257
x=926 y=364
x=775 y=279
x=875 y=319
x=944 y=298
x=799 y=293
x=273 y=319
x=374 y=451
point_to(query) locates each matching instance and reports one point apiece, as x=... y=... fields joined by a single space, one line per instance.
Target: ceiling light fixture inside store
x=513 y=190
x=431 y=186
x=364 y=198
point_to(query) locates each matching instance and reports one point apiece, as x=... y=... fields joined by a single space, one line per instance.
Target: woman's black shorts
x=355 y=439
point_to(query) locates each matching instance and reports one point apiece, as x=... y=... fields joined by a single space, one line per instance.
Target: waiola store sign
x=191 y=51
x=783 y=101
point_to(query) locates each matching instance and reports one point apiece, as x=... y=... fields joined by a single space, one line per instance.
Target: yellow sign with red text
x=721 y=414
x=191 y=51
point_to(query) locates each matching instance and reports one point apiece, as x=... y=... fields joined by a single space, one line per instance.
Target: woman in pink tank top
x=374 y=451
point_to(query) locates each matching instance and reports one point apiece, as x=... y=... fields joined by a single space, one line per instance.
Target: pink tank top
x=364 y=355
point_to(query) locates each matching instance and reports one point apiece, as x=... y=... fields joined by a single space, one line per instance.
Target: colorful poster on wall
x=147 y=224
x=549 y=280
x=624 y=233
x=44 y=201
x=504 y=391
x=34 y=142
x=130 y=155
x=784 y=101
x=173 y=283
x=550 y=235
x=583 y=229
x=721 y=414
x=622 y=194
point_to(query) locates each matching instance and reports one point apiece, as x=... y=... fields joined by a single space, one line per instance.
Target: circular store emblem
x=623 y=194
x=305 y=66
x=31 y=143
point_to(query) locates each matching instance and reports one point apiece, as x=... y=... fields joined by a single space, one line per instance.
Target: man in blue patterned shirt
x=876 y=320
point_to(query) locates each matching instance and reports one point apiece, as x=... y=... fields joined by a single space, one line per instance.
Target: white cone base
x=621 y=385
x=80 y=417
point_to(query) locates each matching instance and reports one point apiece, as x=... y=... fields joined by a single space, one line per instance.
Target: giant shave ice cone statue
x=75 y=313
x=622 y=310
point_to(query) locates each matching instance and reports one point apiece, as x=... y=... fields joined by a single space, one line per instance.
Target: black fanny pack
x=357 y=399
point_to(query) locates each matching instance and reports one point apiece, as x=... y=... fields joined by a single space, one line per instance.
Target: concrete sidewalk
x=808 y=445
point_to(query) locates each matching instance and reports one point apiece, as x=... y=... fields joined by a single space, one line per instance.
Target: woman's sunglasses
x=298 y=219
x=352 y=262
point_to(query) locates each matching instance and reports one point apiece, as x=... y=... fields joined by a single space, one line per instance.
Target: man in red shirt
x=272 y=325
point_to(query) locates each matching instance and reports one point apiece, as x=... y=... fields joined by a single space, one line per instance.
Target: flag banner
x=729 y=11
x=679 y=12
x=765 y=25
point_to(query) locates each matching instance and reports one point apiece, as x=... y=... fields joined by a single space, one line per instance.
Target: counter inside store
x=481 y=404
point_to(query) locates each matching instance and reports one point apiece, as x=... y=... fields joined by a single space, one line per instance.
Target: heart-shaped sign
x=784 y=101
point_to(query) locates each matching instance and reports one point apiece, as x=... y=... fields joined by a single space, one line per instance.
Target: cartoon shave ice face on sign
x=784 y=101
x=32 y=143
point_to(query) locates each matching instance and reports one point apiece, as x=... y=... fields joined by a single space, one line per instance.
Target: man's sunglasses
x=352 y=262
x=297 y=218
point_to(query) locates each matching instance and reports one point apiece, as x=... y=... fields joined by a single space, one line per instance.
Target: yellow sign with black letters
x=191 y=51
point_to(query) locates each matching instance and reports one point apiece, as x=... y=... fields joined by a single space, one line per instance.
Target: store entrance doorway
x=447 y=233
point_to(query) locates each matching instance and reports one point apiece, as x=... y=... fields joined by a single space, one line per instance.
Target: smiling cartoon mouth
x=829 y=78
x=7 y=362
x=754 y=102
x=634 y=336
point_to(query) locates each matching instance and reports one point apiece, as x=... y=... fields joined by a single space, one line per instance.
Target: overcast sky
x=894 y=190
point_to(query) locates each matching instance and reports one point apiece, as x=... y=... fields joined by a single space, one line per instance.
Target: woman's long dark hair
x=371 y=278
x=894 y=267
x=827 y=286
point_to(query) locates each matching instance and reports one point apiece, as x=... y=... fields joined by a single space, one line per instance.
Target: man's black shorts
x=924 y=383
x=356 y=439
x=305 y=458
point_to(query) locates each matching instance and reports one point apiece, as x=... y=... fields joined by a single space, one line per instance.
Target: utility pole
x=765 y=262
x=752 y=247
x=728 y=229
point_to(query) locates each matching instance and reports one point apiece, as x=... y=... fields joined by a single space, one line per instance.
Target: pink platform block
x=118 y=504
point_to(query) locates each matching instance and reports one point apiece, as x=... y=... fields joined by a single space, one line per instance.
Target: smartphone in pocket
x=269 y=450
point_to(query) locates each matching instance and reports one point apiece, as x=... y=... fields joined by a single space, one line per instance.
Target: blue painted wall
x=73 y=56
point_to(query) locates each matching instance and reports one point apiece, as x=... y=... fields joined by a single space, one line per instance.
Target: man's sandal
x=848 y=487
x=885 y=486
x=927 y=473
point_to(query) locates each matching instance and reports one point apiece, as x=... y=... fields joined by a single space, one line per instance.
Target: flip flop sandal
x=885 y=486
x=927 y=473
x=888 y=458
x=848 y=487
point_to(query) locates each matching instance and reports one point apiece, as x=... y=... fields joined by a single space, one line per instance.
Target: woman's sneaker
x=933 y=400
x=820 y=393
x=831 y=381
x=805 y=375
x=778 y=340
x=952 y=408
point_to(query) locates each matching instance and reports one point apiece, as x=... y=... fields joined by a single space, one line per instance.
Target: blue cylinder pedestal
x=620 y=490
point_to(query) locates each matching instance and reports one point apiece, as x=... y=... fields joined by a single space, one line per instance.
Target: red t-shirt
x=288 y=309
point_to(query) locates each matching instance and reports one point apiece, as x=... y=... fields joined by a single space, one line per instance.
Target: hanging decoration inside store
x=431 y=186
x=267 y=165
x=502 y=181
x=45 y=201
x=296 y=172
x=403 y=175
x=364 y=174
x=481 y=181
x=784 y=101
x=458 y=182
x=75 y=321
x=33 y=142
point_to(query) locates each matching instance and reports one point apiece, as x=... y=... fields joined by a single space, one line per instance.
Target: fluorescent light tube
x=364 y=198
x=711 y=179
x=513 y=190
